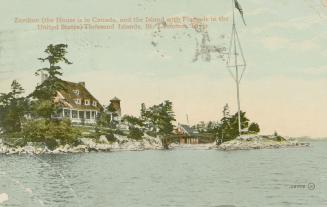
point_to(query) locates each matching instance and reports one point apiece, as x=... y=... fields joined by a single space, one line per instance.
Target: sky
x=284 y=43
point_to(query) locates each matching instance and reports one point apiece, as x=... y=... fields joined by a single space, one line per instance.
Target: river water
x=272 y=177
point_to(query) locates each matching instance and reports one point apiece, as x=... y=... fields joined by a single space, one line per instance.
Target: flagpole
x=236 y=72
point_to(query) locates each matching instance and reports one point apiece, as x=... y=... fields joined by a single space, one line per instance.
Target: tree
x=254 y=128
x=211 y=127
x=143 y=112
x=46 y=91
x=135 y=133
x=13 y=108
x=132 y=120
x=228 y=128
x=103 y=119
x=161 y=117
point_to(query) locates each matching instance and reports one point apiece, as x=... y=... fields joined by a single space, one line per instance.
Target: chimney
x=82 y=83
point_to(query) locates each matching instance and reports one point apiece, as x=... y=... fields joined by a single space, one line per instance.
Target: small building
x=77 y=103
x=114 y=109
x=187 y=135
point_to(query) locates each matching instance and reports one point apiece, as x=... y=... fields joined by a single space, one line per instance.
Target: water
x=277 y=177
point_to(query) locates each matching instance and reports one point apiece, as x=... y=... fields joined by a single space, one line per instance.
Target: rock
x=115 y=146
x=29 y=149
x=88 y=142
x=122 y=143
x=79 y=148
x=246 y=142
x=103 y=139
x=102 y=147
x=11 y=151
x=3 y=149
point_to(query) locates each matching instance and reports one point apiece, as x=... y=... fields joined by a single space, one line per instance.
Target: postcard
x=218 y=103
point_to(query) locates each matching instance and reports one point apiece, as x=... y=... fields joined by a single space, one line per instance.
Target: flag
x=239 y=8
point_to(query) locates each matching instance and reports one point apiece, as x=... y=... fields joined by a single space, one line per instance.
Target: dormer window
x=78 y=101
x=94 y=103
x=76 y=92
x=86 y=102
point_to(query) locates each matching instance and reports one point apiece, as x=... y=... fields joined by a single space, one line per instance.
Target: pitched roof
x=115 y=99
x=73 y=91
x=187 y=129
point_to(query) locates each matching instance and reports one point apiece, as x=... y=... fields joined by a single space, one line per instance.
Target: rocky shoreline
x=249 y=142
x=122 y=143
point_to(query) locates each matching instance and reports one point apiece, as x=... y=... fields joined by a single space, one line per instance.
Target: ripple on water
x=174 y=178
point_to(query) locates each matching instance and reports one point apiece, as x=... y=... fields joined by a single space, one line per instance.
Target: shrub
x=151 y=133
x=51 y=133
x=63 y=131
x=34 y=131
x=254 y=128
x=110 y=137
x=13 y=139
x=119 y=132
x=51 y=143
x=135 y=133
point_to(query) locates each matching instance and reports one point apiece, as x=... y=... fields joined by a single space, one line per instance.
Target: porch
x=78 y=116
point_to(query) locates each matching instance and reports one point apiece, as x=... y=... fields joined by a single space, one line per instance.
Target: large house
x=77 y=103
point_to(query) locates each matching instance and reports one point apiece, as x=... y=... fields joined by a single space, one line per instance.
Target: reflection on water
x=168 y=178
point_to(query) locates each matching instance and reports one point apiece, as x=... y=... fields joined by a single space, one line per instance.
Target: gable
x=76 y=96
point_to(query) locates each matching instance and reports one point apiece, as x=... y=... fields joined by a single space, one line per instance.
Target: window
x=87 y=102
x=74 y=114
x=67 y=113
x=78 y=101
x=81 y=114
x=76 y=92
x=94 y=103
x=87 y=114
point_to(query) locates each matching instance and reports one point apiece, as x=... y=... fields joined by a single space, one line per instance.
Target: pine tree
x=161 y=118
x=46 y=91
x=13 y=107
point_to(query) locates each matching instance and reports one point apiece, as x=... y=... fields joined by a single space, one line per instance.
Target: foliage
x=254 y=128
x=278 y=137
x=103 y=120
x=43 y=108
x=151 y=133
x=46 y=91
x=111 y=137
x=12 y=108
x=135 y=133
x=143 y=112
x=52 y=133
x=119 y=132
x=13 y=139
x=228 y=128
x=133 y=120
x=161 y=119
